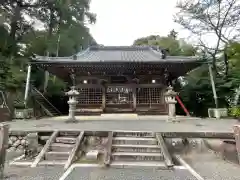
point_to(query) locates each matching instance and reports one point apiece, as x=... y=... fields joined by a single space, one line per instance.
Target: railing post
x=27 y=85
x=4 y=129
x=134 y=96
x=103 y=98
x=236 y=129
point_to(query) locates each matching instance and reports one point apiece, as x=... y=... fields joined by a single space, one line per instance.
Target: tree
x=175 y=46
x=173 y=34
x=20 y=38
x=218 y=18
x=197 y=92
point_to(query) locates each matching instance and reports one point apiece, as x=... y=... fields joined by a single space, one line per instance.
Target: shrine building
x=113 y=79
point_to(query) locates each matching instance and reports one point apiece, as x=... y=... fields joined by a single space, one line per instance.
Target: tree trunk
x=50 y=33
x=14 y=24
x=11 y=96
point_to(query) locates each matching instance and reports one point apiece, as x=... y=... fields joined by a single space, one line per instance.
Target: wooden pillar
x=134 y=94
x=4 y=128
x=103 y=98
x=236 y=129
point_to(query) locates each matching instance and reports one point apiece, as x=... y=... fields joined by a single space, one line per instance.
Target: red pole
x=182 y=105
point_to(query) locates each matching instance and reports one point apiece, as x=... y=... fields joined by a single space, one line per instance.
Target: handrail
x=182 y=105
x=4 y=101
x=35 y=89
x=44 y=108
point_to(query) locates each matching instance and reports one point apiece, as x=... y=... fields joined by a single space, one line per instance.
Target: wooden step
x=60 y=147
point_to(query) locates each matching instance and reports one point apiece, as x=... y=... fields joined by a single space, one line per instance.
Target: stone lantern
x=171 y=102
x=73 y=93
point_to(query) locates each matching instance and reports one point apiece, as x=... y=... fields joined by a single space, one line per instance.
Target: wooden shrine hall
x=115 y=79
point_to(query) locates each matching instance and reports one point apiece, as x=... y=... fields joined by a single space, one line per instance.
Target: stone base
x=173 y=119
x=23 y=113
x=92 y=155
x=217 y=113
x=71 y=121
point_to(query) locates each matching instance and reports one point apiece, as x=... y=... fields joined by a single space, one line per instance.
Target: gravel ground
x=27 y=173
x=212 y=167
x=128 y=174
x=38 y=173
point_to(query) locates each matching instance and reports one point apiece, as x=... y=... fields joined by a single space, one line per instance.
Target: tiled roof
x=118 y=54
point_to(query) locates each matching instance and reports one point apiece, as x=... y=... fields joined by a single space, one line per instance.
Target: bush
x=234 y=111
x=19 y=105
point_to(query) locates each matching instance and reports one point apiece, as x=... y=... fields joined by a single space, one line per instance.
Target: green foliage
x=197 y=95
x=234 y=111
x=176 y=47
x=19 y=104
x=19 y=39
x=56 y=87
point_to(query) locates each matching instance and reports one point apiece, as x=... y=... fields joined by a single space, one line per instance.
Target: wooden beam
x=4 y=133
x=164 y=149
x=44 y=149
x=236 y=129
x=121 y=85
x=74 y=150
x=108 y=152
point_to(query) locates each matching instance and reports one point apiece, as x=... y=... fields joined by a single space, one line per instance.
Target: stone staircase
x=137 y=149
x=60 y=149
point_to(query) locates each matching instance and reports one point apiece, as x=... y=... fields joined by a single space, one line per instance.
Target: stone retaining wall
x=17 y=143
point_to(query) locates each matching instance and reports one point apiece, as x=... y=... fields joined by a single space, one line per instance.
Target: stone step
x=66 y=140
x=137 y=156
x=135 y=148
x=58 y=162
x=134 y=140
x=145 y=164
x=44 y=138
x=69 y=133
x=134 y=134
x=60 y=147
x=52 y=155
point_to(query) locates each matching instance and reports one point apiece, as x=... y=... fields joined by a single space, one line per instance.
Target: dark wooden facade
x=119 y=79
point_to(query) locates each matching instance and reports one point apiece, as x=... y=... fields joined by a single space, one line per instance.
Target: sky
x=120 y=22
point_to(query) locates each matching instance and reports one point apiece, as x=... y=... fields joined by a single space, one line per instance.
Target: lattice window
x=150 y=96
x=90 y=96
x=119 y=95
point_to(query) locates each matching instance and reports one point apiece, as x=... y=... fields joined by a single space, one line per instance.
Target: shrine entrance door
x=119 y=98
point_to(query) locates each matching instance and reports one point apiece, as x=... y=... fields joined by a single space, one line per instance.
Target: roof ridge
x=120 y=48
